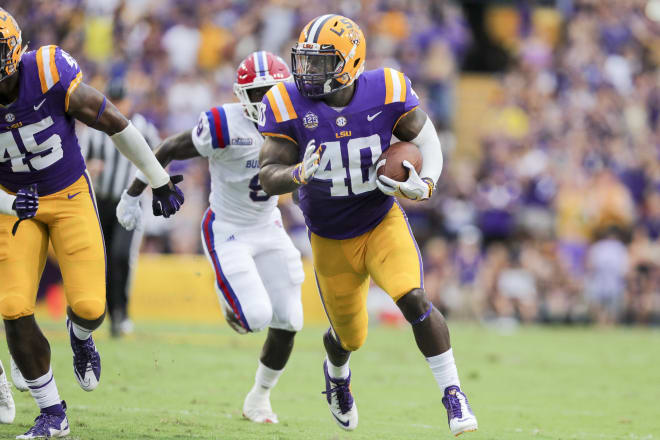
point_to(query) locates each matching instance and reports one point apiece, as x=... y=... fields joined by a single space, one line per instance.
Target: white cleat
x=459 y=414
x=256 y=407
x=7 y=407
x=340 y=400
x=17 y=377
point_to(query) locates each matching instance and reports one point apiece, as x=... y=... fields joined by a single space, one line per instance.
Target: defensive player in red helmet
x=258 y=269
x=46 y=196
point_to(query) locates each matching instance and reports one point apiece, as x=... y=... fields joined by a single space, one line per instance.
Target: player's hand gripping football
x=129 y=211
x=167 y=199
x=304 y=171
x=26 y=205
x=415 y=188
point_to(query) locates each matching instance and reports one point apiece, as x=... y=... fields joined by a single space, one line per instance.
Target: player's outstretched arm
x=176 y=147
x=91 y=107
x=281 y=172
x=416 y=127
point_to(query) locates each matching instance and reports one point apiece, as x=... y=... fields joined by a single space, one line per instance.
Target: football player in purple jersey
x=46 y=196
x=324 y=135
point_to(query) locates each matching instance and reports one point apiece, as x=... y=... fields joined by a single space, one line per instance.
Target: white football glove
x=129 y=212
x=415 y=188
x=304 y=171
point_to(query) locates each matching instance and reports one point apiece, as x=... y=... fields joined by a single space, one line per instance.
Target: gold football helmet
x=10 y=45
x=329 y=55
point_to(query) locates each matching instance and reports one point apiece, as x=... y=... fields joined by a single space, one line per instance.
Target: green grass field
x=173 y=381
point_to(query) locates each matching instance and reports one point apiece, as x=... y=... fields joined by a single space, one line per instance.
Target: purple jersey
x=38 y=143
x=342 y=200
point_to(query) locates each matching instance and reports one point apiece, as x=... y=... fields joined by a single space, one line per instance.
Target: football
x=390 y=163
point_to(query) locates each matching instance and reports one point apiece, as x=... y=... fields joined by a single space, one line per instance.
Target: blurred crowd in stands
x=559 y=219
x=556 y=218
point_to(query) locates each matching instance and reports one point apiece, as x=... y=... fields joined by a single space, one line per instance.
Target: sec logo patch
x=9 y=117
x=341 y=121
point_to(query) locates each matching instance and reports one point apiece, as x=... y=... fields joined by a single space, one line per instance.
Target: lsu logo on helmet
x=329 y=55
x=10 y=45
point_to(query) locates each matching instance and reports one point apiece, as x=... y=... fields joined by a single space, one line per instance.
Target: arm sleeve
x=131 y=144
x=429 y=145
x=148 y=130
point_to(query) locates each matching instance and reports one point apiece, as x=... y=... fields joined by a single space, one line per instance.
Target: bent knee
x=258 y=318
x=414 y=304
x=353 y=342
x=15 y=306
x=88 y=309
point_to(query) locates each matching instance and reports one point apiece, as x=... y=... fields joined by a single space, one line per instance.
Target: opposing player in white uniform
x=258 y=269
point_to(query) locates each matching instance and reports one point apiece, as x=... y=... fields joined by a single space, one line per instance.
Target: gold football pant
x=388 y=254
x=69 y=220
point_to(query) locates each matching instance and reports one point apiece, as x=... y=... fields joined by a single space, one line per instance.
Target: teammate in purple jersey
x=46 y=196
x=324 y=135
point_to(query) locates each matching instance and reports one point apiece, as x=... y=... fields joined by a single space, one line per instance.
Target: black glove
x=166 y=200
x=25 y=205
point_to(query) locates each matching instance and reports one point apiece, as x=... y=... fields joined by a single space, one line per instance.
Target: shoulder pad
x=280 y=103
x=395 y=86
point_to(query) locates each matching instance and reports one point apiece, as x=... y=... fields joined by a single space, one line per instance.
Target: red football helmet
x=255 y=76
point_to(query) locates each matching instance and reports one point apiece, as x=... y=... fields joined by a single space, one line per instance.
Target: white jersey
x=231 y=142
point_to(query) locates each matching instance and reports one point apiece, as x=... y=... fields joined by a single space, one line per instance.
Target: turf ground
x=174 y=381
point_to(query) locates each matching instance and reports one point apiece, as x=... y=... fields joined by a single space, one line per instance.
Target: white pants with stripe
x=258 y=273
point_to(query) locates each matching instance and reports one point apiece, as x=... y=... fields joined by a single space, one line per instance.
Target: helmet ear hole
x=356 y=62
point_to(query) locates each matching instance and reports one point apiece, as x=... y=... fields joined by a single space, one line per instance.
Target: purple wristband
x=295 y=175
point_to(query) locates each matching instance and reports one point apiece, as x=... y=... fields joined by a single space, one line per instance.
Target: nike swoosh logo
x=372 y=117
x=343 y=423
x=37 y=107
x=70 y=196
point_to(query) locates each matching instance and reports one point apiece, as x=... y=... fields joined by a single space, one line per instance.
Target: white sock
x=44 y=390
x=266 y=378
x=337 y=372
x=444 y=370
x=79 y=332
